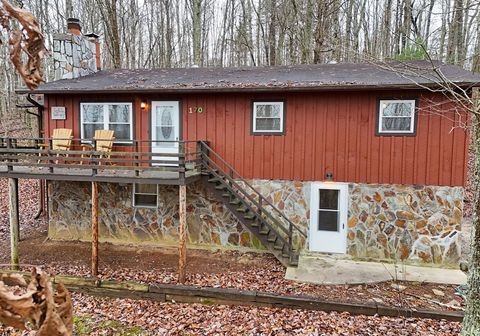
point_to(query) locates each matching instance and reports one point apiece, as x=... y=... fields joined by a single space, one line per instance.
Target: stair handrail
x=262 y=198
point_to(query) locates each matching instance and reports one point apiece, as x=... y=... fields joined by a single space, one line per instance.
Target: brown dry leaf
x=50 y=312
x=28 y=40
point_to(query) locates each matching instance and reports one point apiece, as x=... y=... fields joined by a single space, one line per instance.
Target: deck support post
x=182 y=250
x=14 y=221
x=94 y=229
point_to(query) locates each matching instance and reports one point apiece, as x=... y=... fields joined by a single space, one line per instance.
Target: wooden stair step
x=214 y=180
x=227 y=194
x=254 y=223
x=220 y=187
x=242 y=209
x=272 y=238
x=264 y=231
x=278 y=246
x=235 y=201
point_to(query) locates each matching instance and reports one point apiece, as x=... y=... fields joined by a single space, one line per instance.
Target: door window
x=165 y=128
x=328 y=210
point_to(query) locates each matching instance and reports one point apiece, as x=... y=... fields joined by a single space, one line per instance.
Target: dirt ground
x=38 y=250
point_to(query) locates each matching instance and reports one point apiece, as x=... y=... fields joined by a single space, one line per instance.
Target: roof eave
x=413 y=86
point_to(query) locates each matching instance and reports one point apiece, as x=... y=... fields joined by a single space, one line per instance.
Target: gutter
x=41 y=194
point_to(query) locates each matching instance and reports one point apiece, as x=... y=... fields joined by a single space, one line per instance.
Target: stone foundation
x=413 y=224
x=418 y=224
x=209 y=222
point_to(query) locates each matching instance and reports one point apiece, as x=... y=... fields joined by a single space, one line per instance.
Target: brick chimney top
x=74 y=26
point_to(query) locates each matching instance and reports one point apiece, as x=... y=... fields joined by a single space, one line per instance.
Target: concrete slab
x=331 y=270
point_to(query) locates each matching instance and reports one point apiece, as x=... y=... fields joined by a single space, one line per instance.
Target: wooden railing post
x=181 y=162
x=198 y=156
x=94 y=269
x=14 y=221
x=135 y=158
x=49 y=150
x=182 y=233
x=92 y=160
x=9 y=146
x=290 y=236
x=204 y=153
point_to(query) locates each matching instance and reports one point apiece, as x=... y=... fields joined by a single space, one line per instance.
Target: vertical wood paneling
x=324 y=132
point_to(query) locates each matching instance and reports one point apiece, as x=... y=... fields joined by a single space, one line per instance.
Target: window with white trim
x=145 y=195
x=107 y=116
x=268 y=117
x=396 y=117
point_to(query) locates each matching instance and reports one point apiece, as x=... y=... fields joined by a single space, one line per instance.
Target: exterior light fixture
x=143 y=105
x=329 y=176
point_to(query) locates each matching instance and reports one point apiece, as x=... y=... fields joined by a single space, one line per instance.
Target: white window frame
x=381 y=117
x=134 y=192
x=106 y=118
x=282 y=117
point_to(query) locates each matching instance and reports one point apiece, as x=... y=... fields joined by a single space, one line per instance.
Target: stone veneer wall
x=209 y=222
x=418 y=224
x=415 y=224
x=73 y=56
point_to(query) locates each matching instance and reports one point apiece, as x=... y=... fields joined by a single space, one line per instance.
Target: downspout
x=41 y=189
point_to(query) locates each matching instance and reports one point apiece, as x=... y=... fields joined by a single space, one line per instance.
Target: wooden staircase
x=266 y=222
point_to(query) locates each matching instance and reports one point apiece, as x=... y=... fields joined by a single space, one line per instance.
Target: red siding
x=324 y=132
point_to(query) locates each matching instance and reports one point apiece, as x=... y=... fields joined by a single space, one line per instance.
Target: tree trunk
x=69 y=8
x=197 y=31
x=471 y=321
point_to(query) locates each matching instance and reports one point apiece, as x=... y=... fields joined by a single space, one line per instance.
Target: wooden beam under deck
x=112 y=176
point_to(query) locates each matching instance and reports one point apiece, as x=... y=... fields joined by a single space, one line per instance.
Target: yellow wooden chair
x=104 y=143
x=61 y=141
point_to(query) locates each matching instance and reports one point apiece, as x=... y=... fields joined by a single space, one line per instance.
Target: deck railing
x=135 y=158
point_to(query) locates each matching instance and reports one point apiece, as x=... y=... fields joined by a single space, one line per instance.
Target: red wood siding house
x=325 y=132
x=362 y=160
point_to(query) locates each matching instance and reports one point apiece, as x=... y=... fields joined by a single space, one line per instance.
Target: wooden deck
x=20 y=158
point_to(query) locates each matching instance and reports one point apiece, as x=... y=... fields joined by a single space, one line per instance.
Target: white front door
x=328 y=217
x=165 y=130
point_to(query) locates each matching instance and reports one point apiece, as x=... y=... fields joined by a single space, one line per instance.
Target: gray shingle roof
x=279 y=78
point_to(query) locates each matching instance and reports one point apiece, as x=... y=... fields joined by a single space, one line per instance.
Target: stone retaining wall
x=414 y=224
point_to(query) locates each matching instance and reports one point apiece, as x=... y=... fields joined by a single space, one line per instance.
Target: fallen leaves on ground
x=248 y=271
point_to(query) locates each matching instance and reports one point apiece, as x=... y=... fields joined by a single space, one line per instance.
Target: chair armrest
x=106 y=147
x=42 y=145
x=86 y=147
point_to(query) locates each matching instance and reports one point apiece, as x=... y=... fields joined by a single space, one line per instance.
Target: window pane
x=89 y=130
x=146 y=200
x=327 y=220
x=119 y=113
x=120 y=132
x=268 y=124
x=268 y=111
x=146 y=188
x=328 y=199
x=400 y=109
x=92 y=113
x=396 y=124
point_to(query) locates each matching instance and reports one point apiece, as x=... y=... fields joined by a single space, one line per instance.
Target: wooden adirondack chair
x=104 y=143
x=61 y=141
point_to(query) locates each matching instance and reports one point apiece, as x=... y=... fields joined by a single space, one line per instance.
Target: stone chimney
x=74 y=54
